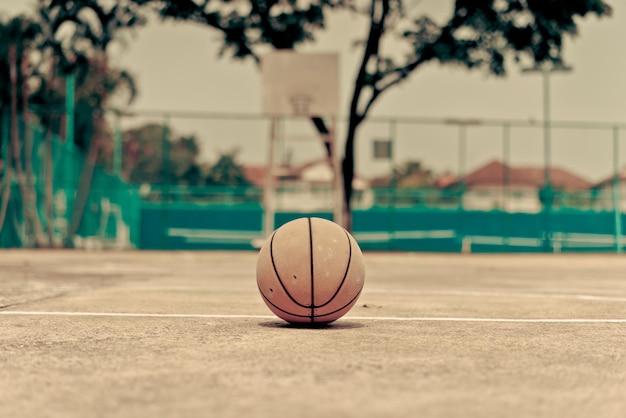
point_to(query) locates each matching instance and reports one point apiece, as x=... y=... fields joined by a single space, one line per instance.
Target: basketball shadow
x=332 y=326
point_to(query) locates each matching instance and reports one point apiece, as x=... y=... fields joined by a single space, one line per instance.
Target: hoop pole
x=268 y=189
x=617 y=207
x=337 y=179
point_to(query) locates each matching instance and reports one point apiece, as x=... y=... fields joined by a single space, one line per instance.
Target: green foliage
x=77 y=37
x=246 y=25
x=21 y=33
x=412 y=174
x=78 y=30
x=148 y=158
x=66 y=37
x=479 y=34
x=226 y=172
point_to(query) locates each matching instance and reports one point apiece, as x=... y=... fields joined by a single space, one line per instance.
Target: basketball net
x=301 y=104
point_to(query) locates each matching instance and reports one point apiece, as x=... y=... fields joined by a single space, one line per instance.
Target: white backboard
x=300 y=84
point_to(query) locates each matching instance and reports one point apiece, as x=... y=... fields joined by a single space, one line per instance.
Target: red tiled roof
x=445 y=180
x=255 y=174
x=494 y=173
x=609 y=180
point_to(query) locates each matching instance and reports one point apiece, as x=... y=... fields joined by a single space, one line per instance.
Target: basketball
x=310 y=270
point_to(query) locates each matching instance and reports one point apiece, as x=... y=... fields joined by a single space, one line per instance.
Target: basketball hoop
x=301 y=104
x=300 y=84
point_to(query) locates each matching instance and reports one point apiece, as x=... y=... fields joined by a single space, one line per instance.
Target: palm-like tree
x=21 y=35
x=64 y=38
x=92 y=28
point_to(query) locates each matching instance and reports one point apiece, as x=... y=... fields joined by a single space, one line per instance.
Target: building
x=307 y=187
x=513 y=189
x=604 y=195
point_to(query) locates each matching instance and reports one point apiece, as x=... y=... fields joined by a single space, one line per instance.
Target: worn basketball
x=310 y=270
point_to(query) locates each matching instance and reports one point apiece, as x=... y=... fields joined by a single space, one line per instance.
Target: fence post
x=547 y=150
x=5 y=123
x=506 y=180
x=7 y=180
x=69 y=172
x=617 y=205
x=70 y=87
x=269 y=188
x=165 y=173
x=117 y=146
x=394 y=184
x=465 y=244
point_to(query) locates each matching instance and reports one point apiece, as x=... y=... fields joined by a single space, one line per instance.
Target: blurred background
x=492 y=126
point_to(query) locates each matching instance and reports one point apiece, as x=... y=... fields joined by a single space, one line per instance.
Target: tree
x=91 y=26
x=410 y=174
x=226 y=172
x=62 y=38
x=489 y=35
x=151 y=159
x=19 y=35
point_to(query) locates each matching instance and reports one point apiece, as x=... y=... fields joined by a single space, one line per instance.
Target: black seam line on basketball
x=343 y=307
x=312 y=270
x=278 y=275
x=280 y=309
x=345 y=274
x=308 y=316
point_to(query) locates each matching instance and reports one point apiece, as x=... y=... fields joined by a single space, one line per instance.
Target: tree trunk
x=378 y=14
x=49 y=163
x=31 y=187
x=91 y=160
x=31 y=218
x=347 y=169
x=7 y=180
x=6 y=195
x=49 y=191
x=84 y=185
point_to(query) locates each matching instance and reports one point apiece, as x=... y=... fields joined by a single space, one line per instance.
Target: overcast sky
x=177 y=69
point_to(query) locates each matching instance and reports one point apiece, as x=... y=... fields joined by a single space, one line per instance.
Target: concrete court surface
x=186 y=334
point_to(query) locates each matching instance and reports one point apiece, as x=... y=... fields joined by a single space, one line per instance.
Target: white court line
x=357 y=318
x=499 y=294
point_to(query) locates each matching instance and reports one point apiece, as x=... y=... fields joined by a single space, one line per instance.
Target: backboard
x=300 y=84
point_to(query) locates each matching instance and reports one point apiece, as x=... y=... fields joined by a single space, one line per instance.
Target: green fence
x=449 y=218
x=400 y=220
x=172 y=216
x=37 y=199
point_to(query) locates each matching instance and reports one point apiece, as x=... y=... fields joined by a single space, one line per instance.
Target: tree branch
x=376 y=30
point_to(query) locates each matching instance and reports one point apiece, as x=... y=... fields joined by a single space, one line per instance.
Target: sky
x=178 y=69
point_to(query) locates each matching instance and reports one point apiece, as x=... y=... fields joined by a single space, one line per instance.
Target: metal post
x=5 y=121
x=547 y=153
x=70 y=91
x=465 y=245
x=547 y=146
x=506 y=180
x=617 y=206
x=462 y=148
x=393 y=125
x=269 y=209
x=547 y=192
x=165 y=191
x=337 y=174
x=117 y=147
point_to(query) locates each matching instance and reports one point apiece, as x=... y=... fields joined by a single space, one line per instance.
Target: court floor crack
x=24 y=302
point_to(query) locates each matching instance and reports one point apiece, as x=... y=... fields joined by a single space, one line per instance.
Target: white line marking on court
x=523 y=320
x=132 y=314
x=357 y=318
x=500 y=294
